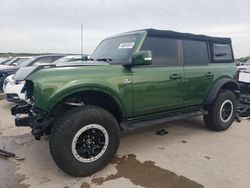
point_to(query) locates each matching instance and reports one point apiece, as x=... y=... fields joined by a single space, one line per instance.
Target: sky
x=41 y=26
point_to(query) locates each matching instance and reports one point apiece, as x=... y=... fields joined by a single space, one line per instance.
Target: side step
x=132 y=125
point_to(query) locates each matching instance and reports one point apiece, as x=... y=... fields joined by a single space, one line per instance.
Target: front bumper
x=12 y=98
x=13 y=91
x=30 y=119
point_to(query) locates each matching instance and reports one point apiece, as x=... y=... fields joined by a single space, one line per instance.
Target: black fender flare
x=224 y=83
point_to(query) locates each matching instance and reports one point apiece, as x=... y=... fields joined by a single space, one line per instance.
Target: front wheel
x=222 y=112
x=84 y=140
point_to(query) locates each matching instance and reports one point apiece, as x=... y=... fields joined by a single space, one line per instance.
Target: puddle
x=146 y=174
x=85 y=185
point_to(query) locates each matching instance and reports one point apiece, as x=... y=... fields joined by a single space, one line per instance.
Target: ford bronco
x=133 y=80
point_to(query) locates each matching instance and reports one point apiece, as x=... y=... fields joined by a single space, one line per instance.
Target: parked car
x=12 y=89
x=71 y=58
x=243 y=66
x=3 y=61
x=244 y=99
x=16 y=61
x=9 y=70
x=10 y=67
x=136 y=79
x=244 y=83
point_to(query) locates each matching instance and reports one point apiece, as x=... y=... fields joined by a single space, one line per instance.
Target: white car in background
x=12 y=89
x=243 y=66
x=244 y=99
x=244 y=83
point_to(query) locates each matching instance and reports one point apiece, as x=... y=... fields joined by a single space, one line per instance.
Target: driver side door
x=158 y=87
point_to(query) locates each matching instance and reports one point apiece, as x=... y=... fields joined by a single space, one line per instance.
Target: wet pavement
x=188 y=156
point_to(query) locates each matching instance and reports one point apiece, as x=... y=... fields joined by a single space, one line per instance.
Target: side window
x=164 y=50
x=222 y=52
x=195 y=52
x=41 y=61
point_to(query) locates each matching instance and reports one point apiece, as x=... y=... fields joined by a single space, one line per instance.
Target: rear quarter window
x=222 y=53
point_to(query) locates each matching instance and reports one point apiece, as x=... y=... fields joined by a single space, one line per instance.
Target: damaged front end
x=28 y=116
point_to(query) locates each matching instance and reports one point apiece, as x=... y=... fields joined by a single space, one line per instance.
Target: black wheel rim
x=226 y=110
x=90 y=143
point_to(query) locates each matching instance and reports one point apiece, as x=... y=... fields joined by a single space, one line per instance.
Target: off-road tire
x=213 y=119
x=64 y=131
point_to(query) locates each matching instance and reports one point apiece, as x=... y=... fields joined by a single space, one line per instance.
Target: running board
x=132 y=125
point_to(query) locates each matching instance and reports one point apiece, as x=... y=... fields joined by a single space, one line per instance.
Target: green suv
x=133 y=80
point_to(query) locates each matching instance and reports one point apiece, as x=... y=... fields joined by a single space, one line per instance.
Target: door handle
x=175 y=77
x=209 y=74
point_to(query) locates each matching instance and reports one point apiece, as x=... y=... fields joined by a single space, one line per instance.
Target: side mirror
x=15 y=64
x=142 y=58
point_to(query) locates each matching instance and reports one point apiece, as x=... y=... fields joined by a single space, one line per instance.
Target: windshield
x=116 y=49
x=11 y=61
x=21 y=60
x=27 y=62
x=16 y=60
x=5 y=62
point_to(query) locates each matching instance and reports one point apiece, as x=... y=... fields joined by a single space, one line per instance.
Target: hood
x=7 y=68
x=25 y=72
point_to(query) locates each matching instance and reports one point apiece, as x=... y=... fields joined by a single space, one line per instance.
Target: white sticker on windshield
x=126 y=45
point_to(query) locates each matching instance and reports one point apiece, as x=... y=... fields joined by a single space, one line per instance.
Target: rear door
x=158 y=87
x=199 y=75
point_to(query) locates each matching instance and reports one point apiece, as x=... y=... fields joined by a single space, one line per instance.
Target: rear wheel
x=222 y=112
x=84 y=140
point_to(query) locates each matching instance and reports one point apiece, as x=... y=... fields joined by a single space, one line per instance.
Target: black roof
x=173 y=34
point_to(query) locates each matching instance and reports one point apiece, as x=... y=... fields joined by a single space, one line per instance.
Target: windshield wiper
x=104 y=59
